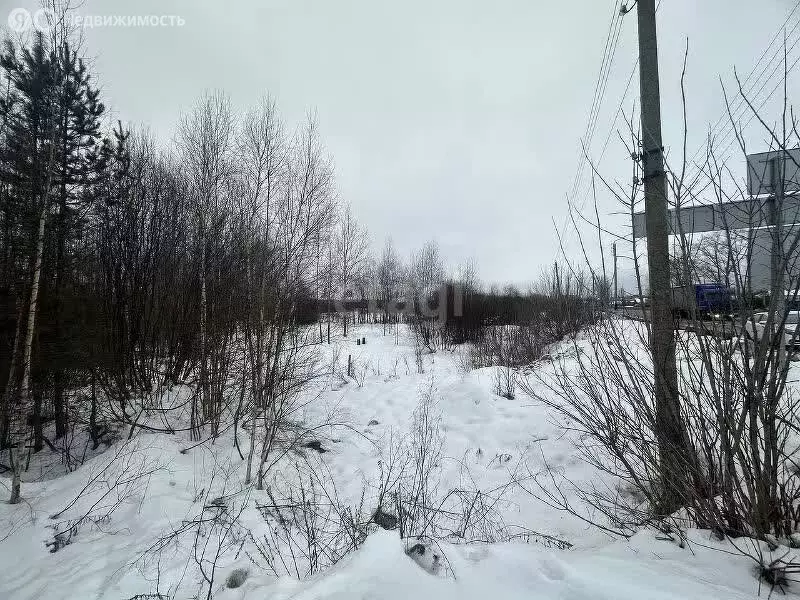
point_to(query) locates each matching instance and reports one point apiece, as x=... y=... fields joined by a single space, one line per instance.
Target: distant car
x=755 y=329
x=793 y=300
x=701 y=301
x=632 y=302
x=629 y=302
x=791 y=331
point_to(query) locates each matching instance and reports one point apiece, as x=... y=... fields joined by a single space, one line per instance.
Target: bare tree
x=350 y=248
x=206 y=138
x=389 y=281
x=263 y=151
x=284 y=359
x=425 y=278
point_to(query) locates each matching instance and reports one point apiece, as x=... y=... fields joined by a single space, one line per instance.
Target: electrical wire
x=723 y=128
x=601 y=85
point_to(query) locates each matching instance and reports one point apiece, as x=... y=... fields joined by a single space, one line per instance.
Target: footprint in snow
x=552 y=569
x=476 y=555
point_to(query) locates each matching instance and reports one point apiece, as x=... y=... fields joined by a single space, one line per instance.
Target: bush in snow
x=113 y=480
x=236 y=578
x=384 y=519
x=425 y=556
x=708 y=434
x=308 y=528
x=504 y=376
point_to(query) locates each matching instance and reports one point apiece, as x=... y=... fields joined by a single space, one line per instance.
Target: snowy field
x=142 y=497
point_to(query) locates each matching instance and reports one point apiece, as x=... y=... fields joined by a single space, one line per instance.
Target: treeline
x=511 y=328
x=126 y=267
x=562 y=312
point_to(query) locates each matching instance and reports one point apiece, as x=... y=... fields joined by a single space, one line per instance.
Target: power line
x=599 y=88
x=618 y=112
x=601 y=84
x=739 y=100
x=590 y=137
x=730 y=136
x=724 y=154
x=586 y=148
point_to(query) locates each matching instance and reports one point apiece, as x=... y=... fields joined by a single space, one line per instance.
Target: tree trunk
x=203 y=341
x=9 y=396
x=19 y=429
x=61 y=233
x=38 y=422
x=59 y=404
x=251 y=451
x=93 y=433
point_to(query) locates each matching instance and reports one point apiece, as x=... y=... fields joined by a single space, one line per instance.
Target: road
x=727 y=329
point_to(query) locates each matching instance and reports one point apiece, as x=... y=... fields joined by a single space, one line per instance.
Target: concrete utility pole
x=777 y=263
x=614 y=249
x=557 y=282
x=672 y=439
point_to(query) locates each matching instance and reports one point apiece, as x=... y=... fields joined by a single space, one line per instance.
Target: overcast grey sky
x=453 y=120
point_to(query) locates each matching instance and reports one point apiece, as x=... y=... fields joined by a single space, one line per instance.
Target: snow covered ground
x=138 y=506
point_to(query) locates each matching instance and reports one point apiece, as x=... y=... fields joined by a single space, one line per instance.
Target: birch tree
x=351 y=255
x=29 y=159
x=206 y=140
